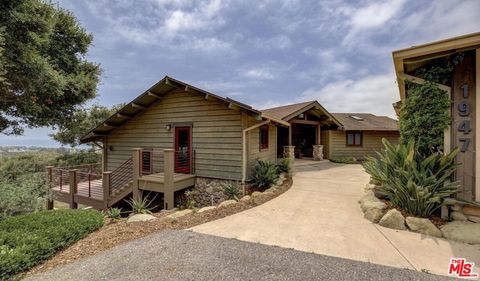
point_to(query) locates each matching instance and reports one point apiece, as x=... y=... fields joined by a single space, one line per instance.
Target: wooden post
x=168 y=173
x=106 y=188
x=49 y=186
x=136 y=173
x=72 y=175
x=290 y=135
x=318 y=134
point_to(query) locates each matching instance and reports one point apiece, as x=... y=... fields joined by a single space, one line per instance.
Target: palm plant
x=418 y=184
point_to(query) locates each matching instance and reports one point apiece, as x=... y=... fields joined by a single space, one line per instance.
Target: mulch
x=114 y=233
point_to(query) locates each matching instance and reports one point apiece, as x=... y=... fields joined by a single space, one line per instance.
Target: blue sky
x=264 y=53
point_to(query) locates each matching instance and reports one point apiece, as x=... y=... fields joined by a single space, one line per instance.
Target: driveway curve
x=320 y=214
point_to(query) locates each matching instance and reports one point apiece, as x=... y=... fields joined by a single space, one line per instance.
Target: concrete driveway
x=320 y=214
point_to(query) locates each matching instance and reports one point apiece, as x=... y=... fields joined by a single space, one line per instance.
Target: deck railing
x=121 y=176
x=153 y=161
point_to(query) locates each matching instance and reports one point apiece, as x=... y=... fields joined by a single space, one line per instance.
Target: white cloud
x=276 y=42
x=261 y=73
x=375 y=14
x=374 y=94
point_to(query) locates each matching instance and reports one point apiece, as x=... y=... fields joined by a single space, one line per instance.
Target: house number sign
x=465 y=125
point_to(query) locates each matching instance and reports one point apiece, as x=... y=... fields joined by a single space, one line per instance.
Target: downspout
x=244 y=148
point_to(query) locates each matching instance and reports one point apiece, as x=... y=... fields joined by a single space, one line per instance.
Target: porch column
x=72 y=174
x=136 y=173
x=318 y=148
x=318 y=134
x=49 y=184
x=289 y=152
x=168 y=182
x=290 y=135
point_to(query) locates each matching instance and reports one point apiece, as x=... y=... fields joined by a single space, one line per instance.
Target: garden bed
x=117 y=232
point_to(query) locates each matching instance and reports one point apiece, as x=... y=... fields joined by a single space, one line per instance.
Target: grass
x=27 y=240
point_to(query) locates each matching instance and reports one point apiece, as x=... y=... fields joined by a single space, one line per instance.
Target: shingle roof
x=369 y=122
x=285 y=110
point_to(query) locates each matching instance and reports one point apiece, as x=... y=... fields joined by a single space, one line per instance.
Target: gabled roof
x=155 y=93
x=366 y=122
x=288 y=112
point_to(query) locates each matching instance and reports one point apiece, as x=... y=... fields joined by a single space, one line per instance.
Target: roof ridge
x=291 y=104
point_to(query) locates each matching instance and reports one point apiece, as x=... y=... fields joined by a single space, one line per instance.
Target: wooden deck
x=95 y=190
x=155 y=182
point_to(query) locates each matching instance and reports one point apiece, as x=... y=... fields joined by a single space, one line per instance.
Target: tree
x=44 y=75
x=82 y=121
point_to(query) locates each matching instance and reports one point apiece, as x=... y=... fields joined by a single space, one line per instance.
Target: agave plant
x=418 y=184
x=284 y=165
x=141 y=206
x=265 y=174
x=232 y=190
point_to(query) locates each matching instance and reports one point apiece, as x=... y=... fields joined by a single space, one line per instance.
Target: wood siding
x=324 y=142
x=253 y=145
x=372 y=142
x=216 y=134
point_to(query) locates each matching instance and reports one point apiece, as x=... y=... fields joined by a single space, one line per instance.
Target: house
x=175 y=135
x=462 y=88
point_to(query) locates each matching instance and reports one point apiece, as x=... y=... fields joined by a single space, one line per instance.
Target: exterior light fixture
x=168 y=127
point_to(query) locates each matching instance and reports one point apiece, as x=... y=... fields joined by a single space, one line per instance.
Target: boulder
x=466 y=232
x=393 y=219
x=368 y=196
x=245 y=198
x=374 y=204
x=374 y=215
x=457 y=216
x=423 y=226
x=369 y=187
x=471 y=210
x=474 y=219
x=179 y=214
x=206 y=209
x=255 y=194
x=227 y=203
x=378 y=193
x=140 y=218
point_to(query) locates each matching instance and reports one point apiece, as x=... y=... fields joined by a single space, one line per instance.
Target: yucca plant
x=418 y=184
x=265 y=174
x=284 y=165
x=141 y=206
x=114 y=213
x=232 y=190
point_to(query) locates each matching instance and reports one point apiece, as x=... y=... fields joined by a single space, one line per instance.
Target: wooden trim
x=306 y=122
x=153 y=95
x=419 y=80
x=477 y=124
x=136 y=105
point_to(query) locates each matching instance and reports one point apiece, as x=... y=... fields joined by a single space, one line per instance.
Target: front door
x=182 y=149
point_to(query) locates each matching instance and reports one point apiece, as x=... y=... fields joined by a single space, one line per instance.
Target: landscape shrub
x=416 y=183
x=345 y=160
x=141 y=206
x=232 y=190
x=284 y=165
x=27 y=240
x=265 y=174
x=114 y=213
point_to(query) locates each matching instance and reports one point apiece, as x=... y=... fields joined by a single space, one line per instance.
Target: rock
x=245 y=198
x=369 y=186
x=457 y=216
x=456 y=207
x=393 y=219
x=471 y=210
x=474 y=219
x=140 y=218
x=466 y=232
x=374 y=204
x=227 y=203
x=378 y=193
x=368 y=196
x=424 y=226
x=271 y=189
x=206 y=209
x=374 y=215
x=255 y=194
x=179 y=214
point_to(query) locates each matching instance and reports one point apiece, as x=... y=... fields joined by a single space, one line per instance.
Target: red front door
x=182 y=149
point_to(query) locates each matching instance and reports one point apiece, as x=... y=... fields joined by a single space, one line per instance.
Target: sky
x=263 y=53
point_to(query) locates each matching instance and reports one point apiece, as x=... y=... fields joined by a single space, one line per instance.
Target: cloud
x=375 y=14
x=260 y=73
x=276 y=42
x=373 y=93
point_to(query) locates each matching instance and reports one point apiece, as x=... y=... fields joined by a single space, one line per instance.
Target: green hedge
x=27 y=240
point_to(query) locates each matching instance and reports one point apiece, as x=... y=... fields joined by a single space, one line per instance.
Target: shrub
x=265 y=174
x=141 y=206
x=27 y=240
x=411 y=181
x=345 y=160
x=232 y=190
x=114 y=213
x=284 y=165
x=189 y=199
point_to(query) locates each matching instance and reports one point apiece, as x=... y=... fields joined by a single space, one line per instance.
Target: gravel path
x=185 y=255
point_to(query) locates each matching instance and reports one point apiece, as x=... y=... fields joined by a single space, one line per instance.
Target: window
x=354 y=138
x=146 y=162
x=264 y=137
